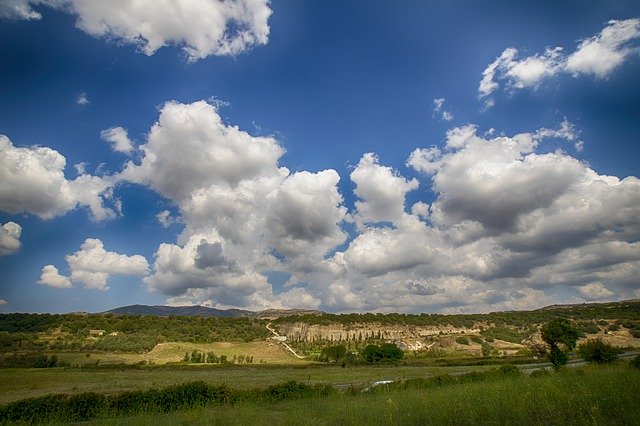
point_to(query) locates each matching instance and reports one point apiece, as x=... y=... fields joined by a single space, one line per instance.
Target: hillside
x=140 y=330
x=203 y=311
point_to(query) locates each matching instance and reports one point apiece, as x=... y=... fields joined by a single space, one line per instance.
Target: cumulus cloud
x=201 y=27
x=190 y=148
x=10 y=238
x=3 y=302
x=52 y=278
x=507 y=225
x=92 y=266
x=32 y=181
x=118 y=139
x=244 y=214
x=304 y=214
x=599 y=56
x=381 y=191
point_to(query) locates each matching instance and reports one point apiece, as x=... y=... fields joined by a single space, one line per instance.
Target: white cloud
x=201 y=27
x=507 y=225
x=18 y=9
x=32 y=181
x=236 y=201
x=3 y=302
x=82 y=99
x=52 y=278
x=190 y=148
x=165 y=219
x=92 y=266
x=599 y=55
x=304 y=214
x=381 y=191
x=118 y=138
x=439 y=110
x=10 y=238
x=595 y=291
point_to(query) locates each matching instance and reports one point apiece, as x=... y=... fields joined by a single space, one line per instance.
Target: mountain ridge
x=204 y=311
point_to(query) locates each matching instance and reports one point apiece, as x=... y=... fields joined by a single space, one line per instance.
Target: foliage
x=561 y=336
x=486 y=349
x=476 y=339
x=587 y=327
x=333 y=353
x=462 y=340
x=635 y=362
x=30 y=360
x=385 y=351
x=503 y=333
x=87 y=406
x=599 y=352
x=122 y=333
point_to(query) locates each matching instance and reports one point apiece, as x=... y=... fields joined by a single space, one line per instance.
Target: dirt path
x=275 y=333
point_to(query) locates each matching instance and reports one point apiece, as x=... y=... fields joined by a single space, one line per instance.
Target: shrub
x=462 y=340
x=635 y=362
x=476 y=339
x=599 y=352
x=486 y=349
x=509 y=370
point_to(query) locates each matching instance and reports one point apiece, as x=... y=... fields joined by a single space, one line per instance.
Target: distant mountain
x=183 y=311
x=203 y=311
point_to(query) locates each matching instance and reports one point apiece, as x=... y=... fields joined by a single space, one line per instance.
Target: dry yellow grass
x=263 y=352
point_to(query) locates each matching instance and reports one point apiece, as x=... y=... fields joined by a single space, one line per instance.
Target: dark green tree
x=333 y=353
x=561 y=336
x=599 y=352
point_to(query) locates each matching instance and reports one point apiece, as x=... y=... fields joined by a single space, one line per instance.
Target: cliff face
x=302 y=332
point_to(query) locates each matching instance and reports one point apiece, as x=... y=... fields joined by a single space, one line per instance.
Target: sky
x=346 y=156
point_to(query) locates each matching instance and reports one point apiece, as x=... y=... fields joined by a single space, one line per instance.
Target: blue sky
x=344 y=156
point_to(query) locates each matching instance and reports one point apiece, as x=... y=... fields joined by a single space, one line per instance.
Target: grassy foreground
x=21 y=383
x=591 y=395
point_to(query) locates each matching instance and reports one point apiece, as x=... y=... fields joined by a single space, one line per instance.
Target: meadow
x=21 y=383
x=585 y=395
x=595 y=395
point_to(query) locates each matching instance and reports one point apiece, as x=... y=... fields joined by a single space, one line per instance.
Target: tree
x=561 y=336
x=386 y=351
x=599 y=352
x=333 y=353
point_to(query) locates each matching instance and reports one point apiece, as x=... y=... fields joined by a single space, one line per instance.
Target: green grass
x=593 y=395
x=19 y=383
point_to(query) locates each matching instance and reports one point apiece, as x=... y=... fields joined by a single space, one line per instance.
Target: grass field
x=171 y=352
x=18 y=383
x=593 y=395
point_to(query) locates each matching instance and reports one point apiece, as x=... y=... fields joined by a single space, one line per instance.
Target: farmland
x=112 y=356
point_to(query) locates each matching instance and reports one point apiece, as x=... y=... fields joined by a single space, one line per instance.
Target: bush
x=476 y=339
x=486 y=349
x=597 y=351
x=635 y=362
x=462 y=340
x=509 y=370
x=386 y=351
